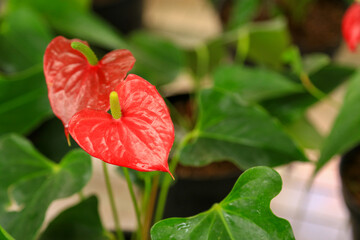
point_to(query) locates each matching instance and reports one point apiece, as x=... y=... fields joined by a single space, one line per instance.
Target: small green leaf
x=4 y=235
x=268 y=40
x=30 y=182
x=228 y=129
x=23 y=101
x=254 y=84
x=157 y=60
x=244 y=214
x=290 y=108
x=242 y=12
x=81 y=221
x=345 y=132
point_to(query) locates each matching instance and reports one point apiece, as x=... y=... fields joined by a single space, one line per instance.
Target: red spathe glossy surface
x=141 y=139
x=351 y=26
x=74 y=84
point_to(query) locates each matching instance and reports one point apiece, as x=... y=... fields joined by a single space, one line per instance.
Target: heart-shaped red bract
x=74 y=84
x=351 y=26
x=141 y=139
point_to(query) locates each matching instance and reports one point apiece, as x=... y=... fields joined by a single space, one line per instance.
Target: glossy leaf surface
x=23 y=101
x=157 y=59
x=29 y=183
x=351 y=26
x=253 y=84
x=81 y=221
x=141 y=139
x=74 y=84
x=244 y=214
x=229 y=129
x=345 y=132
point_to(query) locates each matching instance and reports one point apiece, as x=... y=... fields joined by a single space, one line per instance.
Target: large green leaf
x=228 y=129
x=345 y=132
x=71 y=18
x=244 y=214
x=290 y=108
x=254 y=84
x=81 y=221
x=23 y=101
x=157 y=60
x=23 y=39
x=4 y=235
x=31 y=182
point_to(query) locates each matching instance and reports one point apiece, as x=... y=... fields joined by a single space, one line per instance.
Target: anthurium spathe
x=77 y=80
x=351 y=26
x=138 y=134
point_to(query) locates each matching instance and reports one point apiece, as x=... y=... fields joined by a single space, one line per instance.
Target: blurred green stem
x=119 y=233
x=133 y=198
x=167 y=179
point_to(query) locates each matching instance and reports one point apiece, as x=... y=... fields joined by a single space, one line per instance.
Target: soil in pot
x=350 y=178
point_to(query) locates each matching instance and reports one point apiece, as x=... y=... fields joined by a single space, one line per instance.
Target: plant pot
x=350 y=179
x=197 y=188
x=125 y=15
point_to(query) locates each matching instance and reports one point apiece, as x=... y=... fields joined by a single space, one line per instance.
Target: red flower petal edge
x=351 y=26
x=141 y=139
x=74 y=84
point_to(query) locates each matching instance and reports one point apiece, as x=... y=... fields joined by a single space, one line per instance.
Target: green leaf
x=81 y=221
x=23 y=39
x=228 y=129
x=290 y=108
x=254 y=84
x=157 y=60
x=305 y=133
x=31 y=182
x=4 y=235
x=345 y=132
x=23 y=101
x=242 y=12
x=71 y=18
x=268 y=40
x=244 y=214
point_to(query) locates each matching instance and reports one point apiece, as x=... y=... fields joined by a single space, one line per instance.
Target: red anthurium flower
x=76 y=80
x=351 y=26
x=139 y=136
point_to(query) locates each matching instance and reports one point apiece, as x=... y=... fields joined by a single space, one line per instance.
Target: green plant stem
x=202 y=62
x=119 y=233
x=315 y=92
x=167 y=179
x=81 y=196
x=150 y=207
x=133 y=198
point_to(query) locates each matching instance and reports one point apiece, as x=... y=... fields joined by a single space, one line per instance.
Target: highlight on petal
x=141 y=139
x=74 y=84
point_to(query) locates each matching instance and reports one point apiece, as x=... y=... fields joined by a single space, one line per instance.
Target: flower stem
x=133 y=198
x=119 y=233
x=86 y=51
x=167 y=180
x=150 y=207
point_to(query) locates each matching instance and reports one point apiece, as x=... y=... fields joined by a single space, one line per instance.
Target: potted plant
x=252 y=115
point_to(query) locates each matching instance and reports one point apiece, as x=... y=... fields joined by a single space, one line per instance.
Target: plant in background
x=252 y=115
